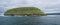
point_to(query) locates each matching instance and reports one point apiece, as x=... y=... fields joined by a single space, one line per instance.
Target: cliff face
x=30 y=11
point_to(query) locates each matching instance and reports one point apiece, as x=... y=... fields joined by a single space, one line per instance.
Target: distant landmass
x=53 y=14
x=25 y=11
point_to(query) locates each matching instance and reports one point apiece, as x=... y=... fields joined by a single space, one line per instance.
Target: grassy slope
x=25 y=10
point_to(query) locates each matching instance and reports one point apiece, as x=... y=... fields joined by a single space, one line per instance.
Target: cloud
x=55 y=8
x=48 y=6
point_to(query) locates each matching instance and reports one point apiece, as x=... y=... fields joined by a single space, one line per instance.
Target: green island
x=25 y=11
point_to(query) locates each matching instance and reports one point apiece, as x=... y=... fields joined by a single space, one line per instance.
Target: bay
x=30 y=20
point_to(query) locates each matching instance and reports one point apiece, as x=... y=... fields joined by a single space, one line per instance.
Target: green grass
x=25 y=10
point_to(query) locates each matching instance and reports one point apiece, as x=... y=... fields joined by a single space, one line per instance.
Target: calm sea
x=30 y=20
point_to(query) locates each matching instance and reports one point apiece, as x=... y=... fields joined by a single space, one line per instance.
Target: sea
x=30 y=20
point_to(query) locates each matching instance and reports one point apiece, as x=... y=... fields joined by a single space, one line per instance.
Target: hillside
x=25 y=10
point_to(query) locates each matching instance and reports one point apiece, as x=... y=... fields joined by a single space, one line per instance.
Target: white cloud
x=48 y=6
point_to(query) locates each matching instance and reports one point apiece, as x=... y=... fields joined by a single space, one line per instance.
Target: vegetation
x=25 y=10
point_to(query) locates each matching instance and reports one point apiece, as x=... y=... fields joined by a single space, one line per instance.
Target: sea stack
x=25 y=11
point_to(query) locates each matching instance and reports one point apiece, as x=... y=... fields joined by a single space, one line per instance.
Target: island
x=25 y=11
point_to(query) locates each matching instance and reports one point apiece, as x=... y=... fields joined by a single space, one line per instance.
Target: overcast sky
x=48 y=6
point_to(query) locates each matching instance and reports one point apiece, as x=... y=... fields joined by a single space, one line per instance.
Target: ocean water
x=30 y=20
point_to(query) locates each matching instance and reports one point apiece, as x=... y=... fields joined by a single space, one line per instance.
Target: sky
x=48 y=6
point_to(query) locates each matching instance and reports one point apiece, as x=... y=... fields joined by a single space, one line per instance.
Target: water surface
x=30 y=20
